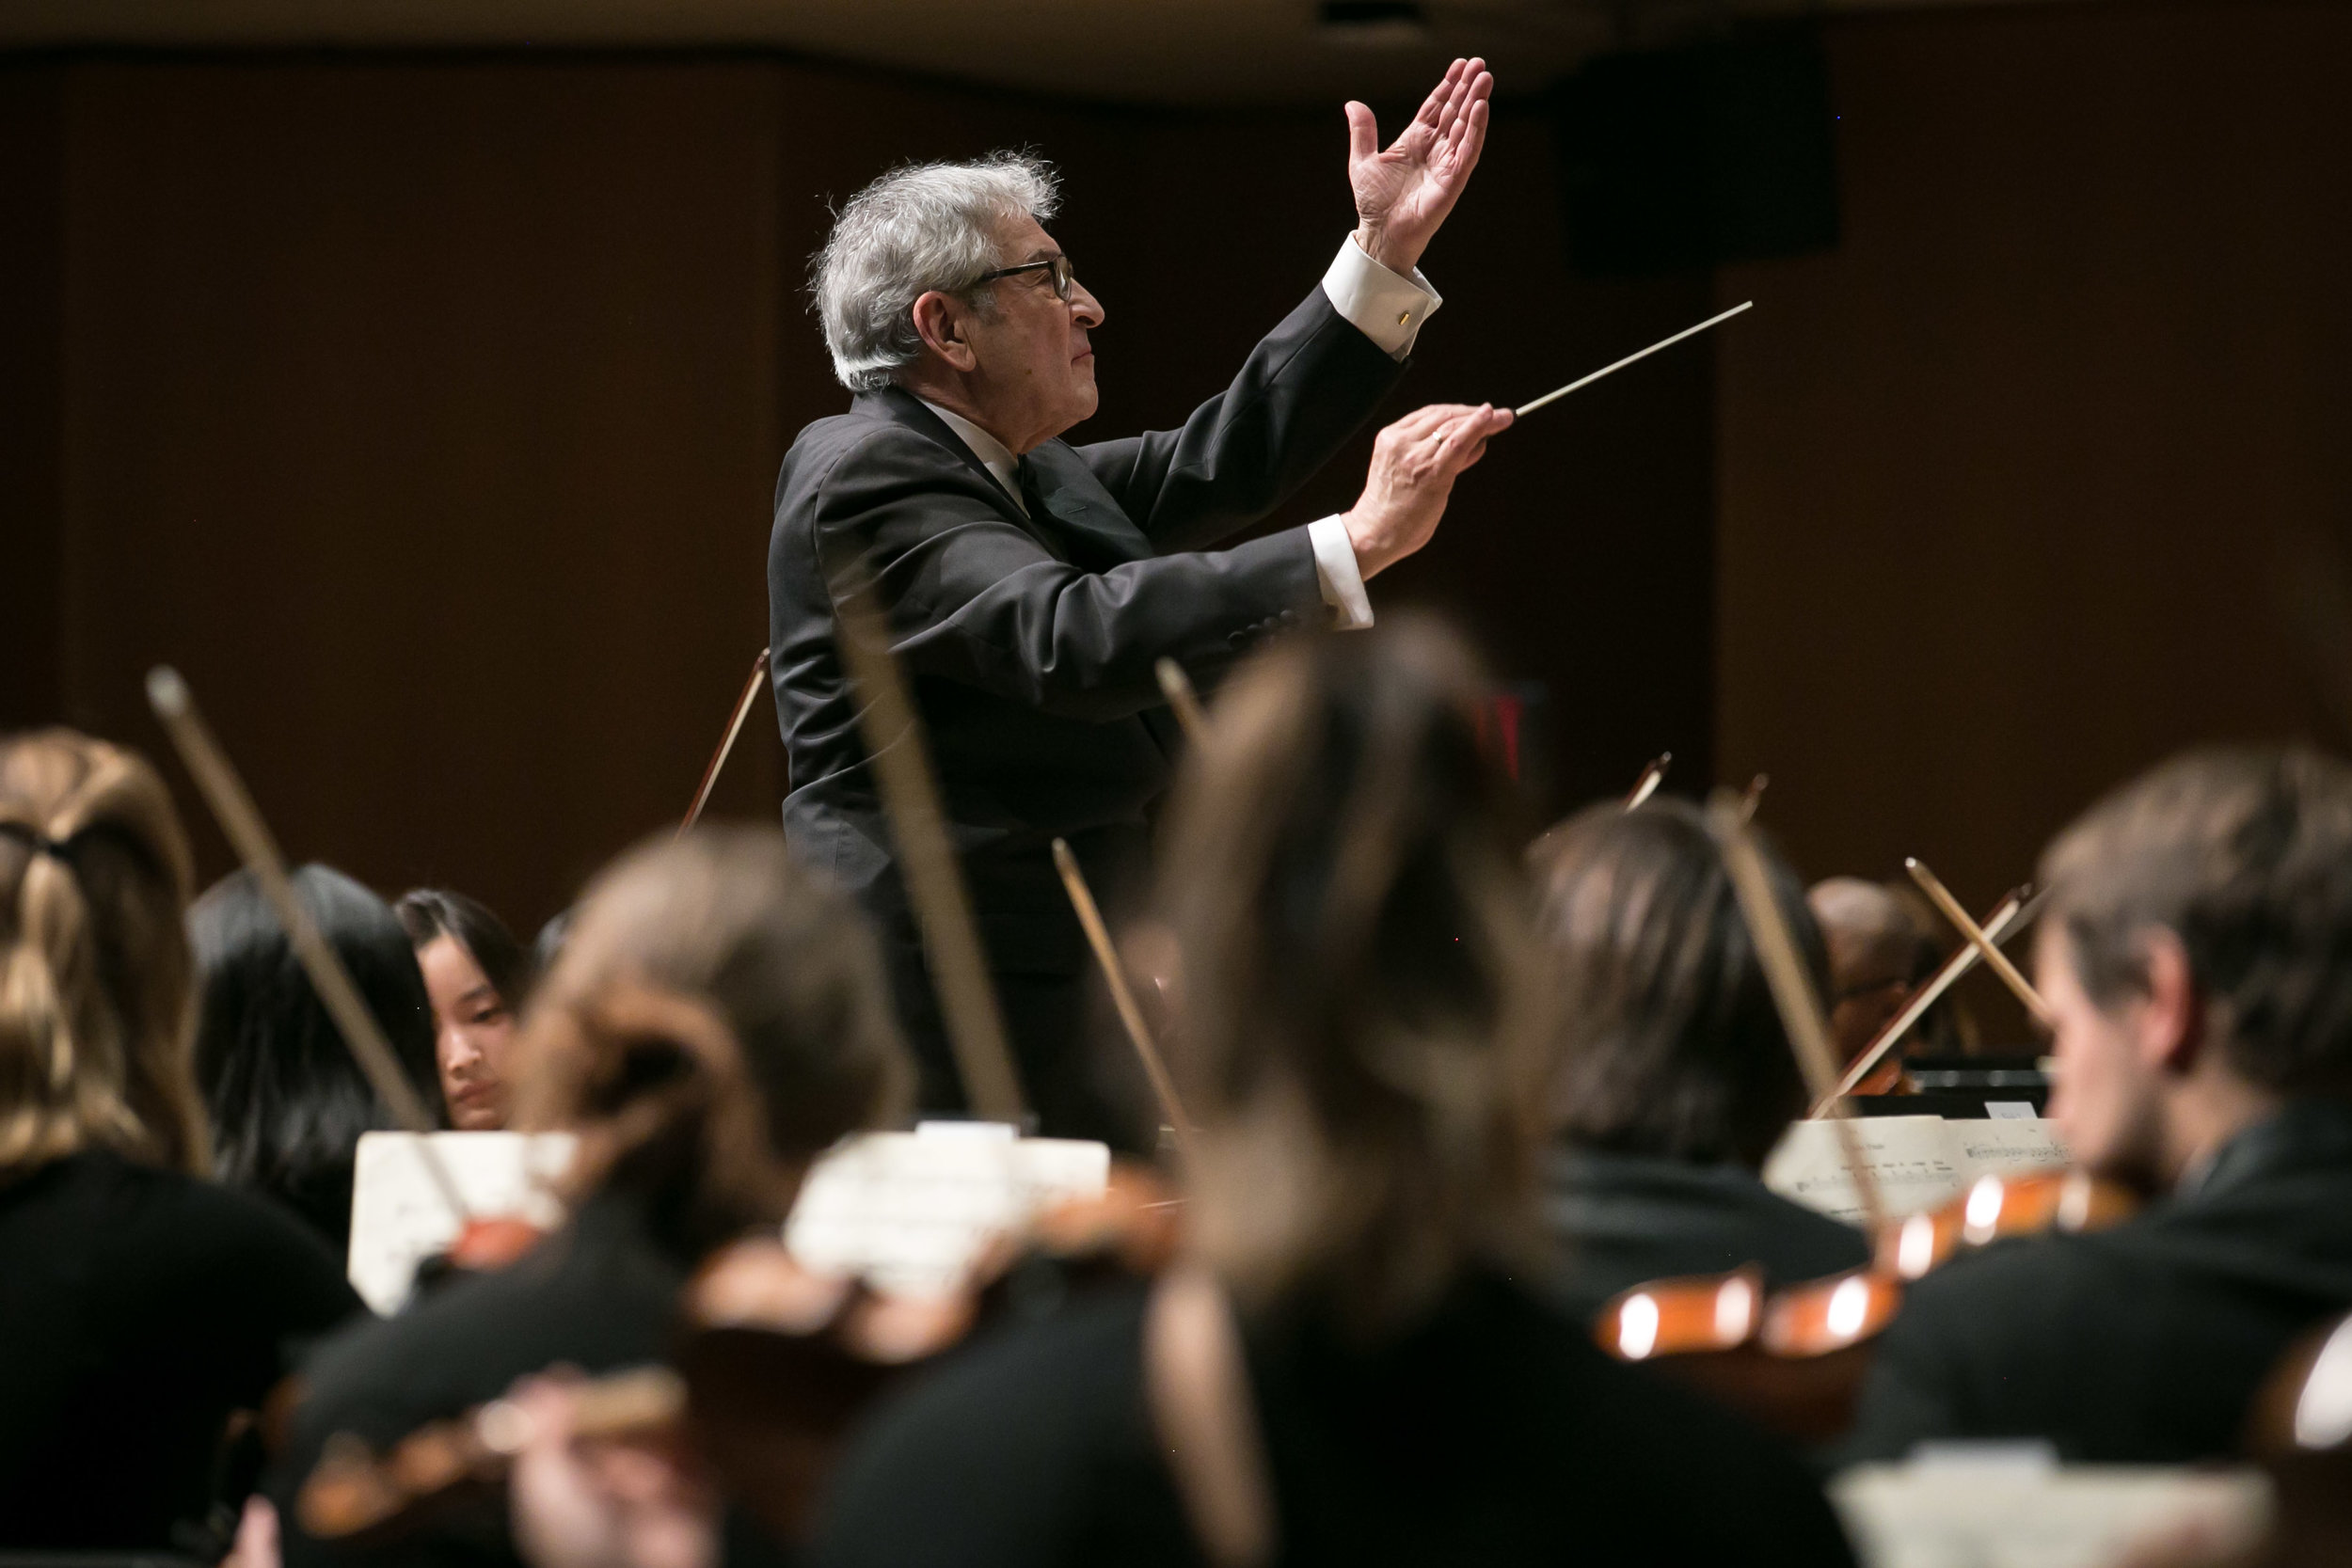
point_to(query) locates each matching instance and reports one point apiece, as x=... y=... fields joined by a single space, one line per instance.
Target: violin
x=774 y=1364
x=1793 y=1360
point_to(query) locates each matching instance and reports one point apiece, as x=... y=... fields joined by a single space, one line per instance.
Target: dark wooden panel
x=32 y=278
x=2006 y=478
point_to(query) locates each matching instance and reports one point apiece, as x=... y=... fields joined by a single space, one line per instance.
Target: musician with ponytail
x=1352 y=1364
x=139 y=1305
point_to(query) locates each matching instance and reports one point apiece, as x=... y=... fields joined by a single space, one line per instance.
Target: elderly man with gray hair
x=1030 y=586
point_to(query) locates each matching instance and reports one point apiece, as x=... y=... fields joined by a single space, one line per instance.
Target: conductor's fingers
x=1427 y=419
x=1465 y=440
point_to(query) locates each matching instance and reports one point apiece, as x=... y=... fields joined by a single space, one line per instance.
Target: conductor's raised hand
x=1403 y=194
x=1414 y=462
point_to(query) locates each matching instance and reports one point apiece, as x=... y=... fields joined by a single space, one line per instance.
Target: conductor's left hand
x=1403 y=194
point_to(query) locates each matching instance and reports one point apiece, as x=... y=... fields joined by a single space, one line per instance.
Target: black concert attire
x=1493 y=1432
x=2143 y=1344
x=1625 y=1220
x=1028 y=628
x=139 y=1308
x=599 y=1294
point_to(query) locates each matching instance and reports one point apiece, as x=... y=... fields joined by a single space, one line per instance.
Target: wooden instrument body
x=1793 y=1360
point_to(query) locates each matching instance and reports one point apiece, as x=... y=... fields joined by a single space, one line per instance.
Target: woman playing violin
x=1351 y=1363
x=716 y=1020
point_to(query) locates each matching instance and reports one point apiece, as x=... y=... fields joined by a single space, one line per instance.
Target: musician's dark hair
x=95 y=977
x=717 y=1018
x=287 y=1098
x=1664 y=1033
x=2246 y=856
x=1341 y=874
x=428 y=914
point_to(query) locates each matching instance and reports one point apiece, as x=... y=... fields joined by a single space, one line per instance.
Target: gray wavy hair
x=924 y=227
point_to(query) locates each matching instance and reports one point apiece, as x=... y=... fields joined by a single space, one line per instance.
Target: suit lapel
x=896 y=403
x=1081 y=519
x=1082 y=509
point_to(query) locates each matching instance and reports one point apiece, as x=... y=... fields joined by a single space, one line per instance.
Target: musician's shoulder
x=979 y=1461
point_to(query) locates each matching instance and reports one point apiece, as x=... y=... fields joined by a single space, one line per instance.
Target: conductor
x=1030 y=586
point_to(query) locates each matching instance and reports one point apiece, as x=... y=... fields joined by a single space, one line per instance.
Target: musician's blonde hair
x=1361 y=1035
x=96 y=981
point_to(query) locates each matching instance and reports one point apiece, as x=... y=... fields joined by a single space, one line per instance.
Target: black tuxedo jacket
x=1029 y=642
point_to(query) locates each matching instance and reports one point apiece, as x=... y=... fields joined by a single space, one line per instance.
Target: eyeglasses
x=1057 y=268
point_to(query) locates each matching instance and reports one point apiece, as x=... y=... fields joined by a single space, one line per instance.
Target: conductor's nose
x=1084 y=306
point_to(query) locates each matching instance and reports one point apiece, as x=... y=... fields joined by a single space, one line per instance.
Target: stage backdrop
x=2021 y=487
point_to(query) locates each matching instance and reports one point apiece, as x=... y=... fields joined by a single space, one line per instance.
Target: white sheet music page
x=911 y=1211
x=1922 y=1162
x=1953 y=1515
x=398 y=1218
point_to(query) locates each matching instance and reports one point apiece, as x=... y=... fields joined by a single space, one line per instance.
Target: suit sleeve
x=972 y=598
x=1308 y=387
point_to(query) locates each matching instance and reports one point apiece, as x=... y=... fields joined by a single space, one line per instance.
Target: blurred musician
x=288 y=1100
x=2198 y=957
x=477 y=975
x=139 y=1305
x=1878 y=952
x=1675 y=1078
x=1030 y=586
x=693 y=1134
x=1361 y=1046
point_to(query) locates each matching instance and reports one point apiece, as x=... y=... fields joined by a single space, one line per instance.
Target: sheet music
x=1959 y=1516
x=398 y=1218
x=2009 y=1146
x=1922 y=1162
x=911 y=1212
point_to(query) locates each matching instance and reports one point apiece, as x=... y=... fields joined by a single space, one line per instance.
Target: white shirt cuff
x=1382 y=305
x=1337 y=574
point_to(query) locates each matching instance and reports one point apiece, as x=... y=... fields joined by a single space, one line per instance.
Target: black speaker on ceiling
x=1680 y=158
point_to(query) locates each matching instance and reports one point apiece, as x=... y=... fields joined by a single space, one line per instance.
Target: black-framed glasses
x=1057 y=269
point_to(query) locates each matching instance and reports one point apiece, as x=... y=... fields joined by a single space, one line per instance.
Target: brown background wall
x=2006 y=482
x=425 y=411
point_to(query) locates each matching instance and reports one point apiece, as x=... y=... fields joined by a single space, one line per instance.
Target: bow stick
x=1177 y=688
x=2014 y=913
x=1755 y=796
x=1950 y=907
x=934 y=883
x=1073 y=881
x=1800 y=1006
x=241 y=819
x=1652 y=776
x=1526 y=408
x=726 y=743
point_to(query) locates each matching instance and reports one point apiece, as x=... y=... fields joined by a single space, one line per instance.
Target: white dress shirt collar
x=994 y=454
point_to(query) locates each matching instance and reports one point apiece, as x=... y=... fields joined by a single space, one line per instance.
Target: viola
x=1793 y=1360
x=772 y=1366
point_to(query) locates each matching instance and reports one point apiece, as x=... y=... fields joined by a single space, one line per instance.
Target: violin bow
x=1995 y=958
x=1073 y=881
x=1177 y=688
x=934 y=883
x=2013 y=914
x=1800 y=1006
x=241 y=819
x=726 y=743
x=1652 y=776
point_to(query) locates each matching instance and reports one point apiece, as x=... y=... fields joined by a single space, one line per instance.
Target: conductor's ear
x=939 y=320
